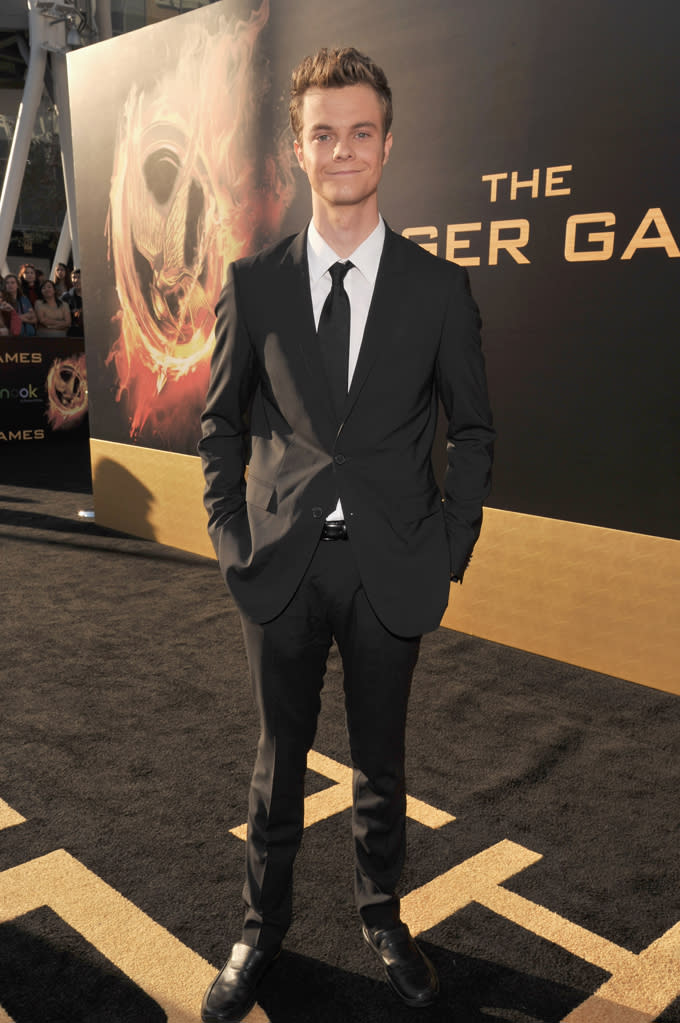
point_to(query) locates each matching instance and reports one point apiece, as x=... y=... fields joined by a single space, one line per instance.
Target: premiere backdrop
x=43 y=390
x=535 y=144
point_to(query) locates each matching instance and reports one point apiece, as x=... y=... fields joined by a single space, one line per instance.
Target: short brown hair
x=332 y=69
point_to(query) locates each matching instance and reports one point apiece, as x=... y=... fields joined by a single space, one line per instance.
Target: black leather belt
x=334 y=530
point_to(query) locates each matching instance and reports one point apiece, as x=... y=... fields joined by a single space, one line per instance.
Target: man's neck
x=344 y=228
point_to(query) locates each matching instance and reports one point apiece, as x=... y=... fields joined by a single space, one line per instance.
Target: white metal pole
x=23 y=132
x=59 y=77
x=102 y=18
x=63 y=248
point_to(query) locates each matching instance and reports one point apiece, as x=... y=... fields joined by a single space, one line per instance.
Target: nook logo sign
x=24 y=395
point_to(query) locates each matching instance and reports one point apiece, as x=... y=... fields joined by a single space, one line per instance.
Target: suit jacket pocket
x=416 y=517
x=415 y=508
x=259 y=493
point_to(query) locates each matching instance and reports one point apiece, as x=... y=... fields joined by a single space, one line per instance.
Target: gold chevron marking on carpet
x=641 y=986
x=468 y=882
x=168 y=971
x=321 y=805
x=9 y=818
x=638 y=992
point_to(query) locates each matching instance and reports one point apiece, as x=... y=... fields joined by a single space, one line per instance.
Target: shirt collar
x=366 y=257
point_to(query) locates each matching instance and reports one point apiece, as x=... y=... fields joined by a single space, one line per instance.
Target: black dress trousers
x=287 y=658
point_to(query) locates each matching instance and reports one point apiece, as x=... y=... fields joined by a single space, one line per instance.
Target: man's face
x=342 y=150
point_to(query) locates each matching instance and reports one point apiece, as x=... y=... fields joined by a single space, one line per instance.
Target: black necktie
x=333 y=334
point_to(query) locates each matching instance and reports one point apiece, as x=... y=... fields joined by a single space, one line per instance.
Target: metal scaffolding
x=54 y=29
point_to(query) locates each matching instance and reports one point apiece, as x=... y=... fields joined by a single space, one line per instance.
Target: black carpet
x=127 y=736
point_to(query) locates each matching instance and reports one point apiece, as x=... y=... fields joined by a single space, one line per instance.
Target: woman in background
x=17 y=312
x=62 y=280
x=54 y=315
x=29 y=283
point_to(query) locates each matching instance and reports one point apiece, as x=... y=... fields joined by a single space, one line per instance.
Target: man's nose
x=343 y=150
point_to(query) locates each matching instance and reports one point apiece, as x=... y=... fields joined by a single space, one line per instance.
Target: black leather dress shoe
x=409 y=972
x=231 y=995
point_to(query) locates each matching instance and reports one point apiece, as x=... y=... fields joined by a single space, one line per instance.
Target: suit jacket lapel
x=382 y=319
x=297 y=300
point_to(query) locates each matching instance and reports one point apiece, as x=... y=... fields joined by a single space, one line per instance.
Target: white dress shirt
x=359 y=284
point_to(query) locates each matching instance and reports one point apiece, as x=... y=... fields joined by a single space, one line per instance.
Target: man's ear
x=300 y=154
x=387 y=147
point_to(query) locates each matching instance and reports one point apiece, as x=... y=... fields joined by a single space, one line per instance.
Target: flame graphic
x=189 y=193
x=66 y=386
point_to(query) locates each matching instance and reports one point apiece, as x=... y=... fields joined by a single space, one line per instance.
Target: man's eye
x=322 y=138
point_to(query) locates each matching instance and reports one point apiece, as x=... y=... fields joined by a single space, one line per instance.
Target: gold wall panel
x=157 y=495
x=603 y=599
x=600 y=598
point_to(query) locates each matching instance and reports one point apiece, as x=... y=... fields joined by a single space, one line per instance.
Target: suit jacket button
x=339 y=459
x=317 y=513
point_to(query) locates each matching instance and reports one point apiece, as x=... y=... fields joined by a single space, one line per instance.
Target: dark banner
x=43 y=390
x=535 y=143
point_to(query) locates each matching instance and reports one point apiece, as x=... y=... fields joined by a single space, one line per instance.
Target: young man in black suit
x=332 y=349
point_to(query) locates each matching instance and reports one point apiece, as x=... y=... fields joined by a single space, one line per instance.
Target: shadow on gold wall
x=121 y=500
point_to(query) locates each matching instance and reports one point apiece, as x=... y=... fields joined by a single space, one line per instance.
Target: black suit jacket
x=267 y=384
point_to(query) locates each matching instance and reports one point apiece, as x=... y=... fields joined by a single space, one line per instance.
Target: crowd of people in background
x=31 y=304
